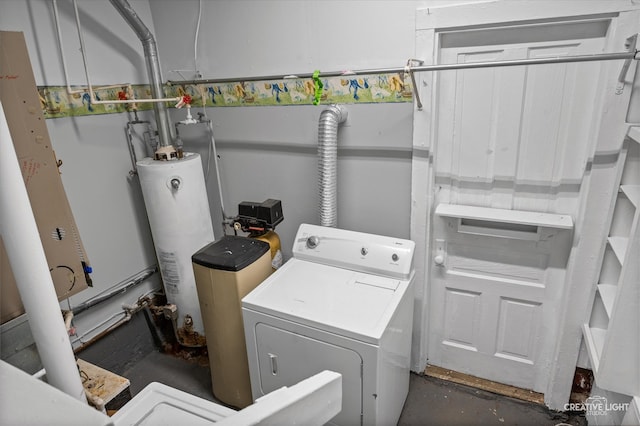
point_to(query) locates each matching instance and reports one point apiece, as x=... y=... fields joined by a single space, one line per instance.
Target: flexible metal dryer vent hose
x=328 y=123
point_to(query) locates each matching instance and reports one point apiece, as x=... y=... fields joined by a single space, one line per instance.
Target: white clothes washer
x=344 y=302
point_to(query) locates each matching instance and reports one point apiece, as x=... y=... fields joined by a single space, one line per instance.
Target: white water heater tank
x=175 y=197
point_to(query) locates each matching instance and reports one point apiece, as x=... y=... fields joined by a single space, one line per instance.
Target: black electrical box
x=269 y=212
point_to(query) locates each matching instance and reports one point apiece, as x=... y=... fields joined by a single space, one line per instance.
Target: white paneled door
x=511 y=139
x=495 y=299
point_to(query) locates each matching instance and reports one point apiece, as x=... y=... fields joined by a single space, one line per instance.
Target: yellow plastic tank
x=226 y=271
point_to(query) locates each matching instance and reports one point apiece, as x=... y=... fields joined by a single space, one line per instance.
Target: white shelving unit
x=612 y=333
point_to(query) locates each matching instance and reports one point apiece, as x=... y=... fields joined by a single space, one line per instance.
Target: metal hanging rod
x=631 y=54
x=423 y=68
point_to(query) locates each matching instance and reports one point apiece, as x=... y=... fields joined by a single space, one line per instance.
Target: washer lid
x=345 y=302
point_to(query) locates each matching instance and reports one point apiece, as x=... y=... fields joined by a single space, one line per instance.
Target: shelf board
x=608 y=295
x=633 y=193
x=521 y=217
x=594 y=341
x=619 y=246
x=634 y=133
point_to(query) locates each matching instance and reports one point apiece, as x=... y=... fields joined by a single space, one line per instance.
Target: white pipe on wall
x=31 y=271
x=90 y=87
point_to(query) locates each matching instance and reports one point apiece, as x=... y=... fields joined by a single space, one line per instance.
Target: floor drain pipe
x=31 y=271
x=328 y=123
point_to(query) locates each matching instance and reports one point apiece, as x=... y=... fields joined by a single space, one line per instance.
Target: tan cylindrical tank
x=225 y=272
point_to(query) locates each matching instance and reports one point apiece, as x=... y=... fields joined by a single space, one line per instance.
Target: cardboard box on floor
x=64 y=250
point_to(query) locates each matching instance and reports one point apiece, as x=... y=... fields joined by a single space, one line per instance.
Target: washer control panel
x=370 y=253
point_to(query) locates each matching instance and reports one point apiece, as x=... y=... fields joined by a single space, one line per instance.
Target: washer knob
x=313 y=241
x=395 y=257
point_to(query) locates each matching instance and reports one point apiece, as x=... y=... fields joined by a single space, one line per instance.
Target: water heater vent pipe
x=328 y=123
x=153 y=67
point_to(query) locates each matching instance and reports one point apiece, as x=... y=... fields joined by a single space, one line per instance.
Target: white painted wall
x=246 y=38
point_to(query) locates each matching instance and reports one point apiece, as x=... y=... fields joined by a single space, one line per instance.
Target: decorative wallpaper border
x=347 y=89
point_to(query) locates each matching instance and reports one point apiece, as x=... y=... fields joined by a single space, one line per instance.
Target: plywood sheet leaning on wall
x=64 y=250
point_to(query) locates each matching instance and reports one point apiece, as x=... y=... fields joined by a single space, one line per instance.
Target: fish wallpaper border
x=348 y=89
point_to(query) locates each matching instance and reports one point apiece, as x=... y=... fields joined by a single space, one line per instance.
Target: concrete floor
x=433 y=401
x=131 y=352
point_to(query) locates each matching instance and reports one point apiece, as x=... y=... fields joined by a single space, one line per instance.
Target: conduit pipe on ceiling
x=328 y=123
x=31 y=271
x=153 y=68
